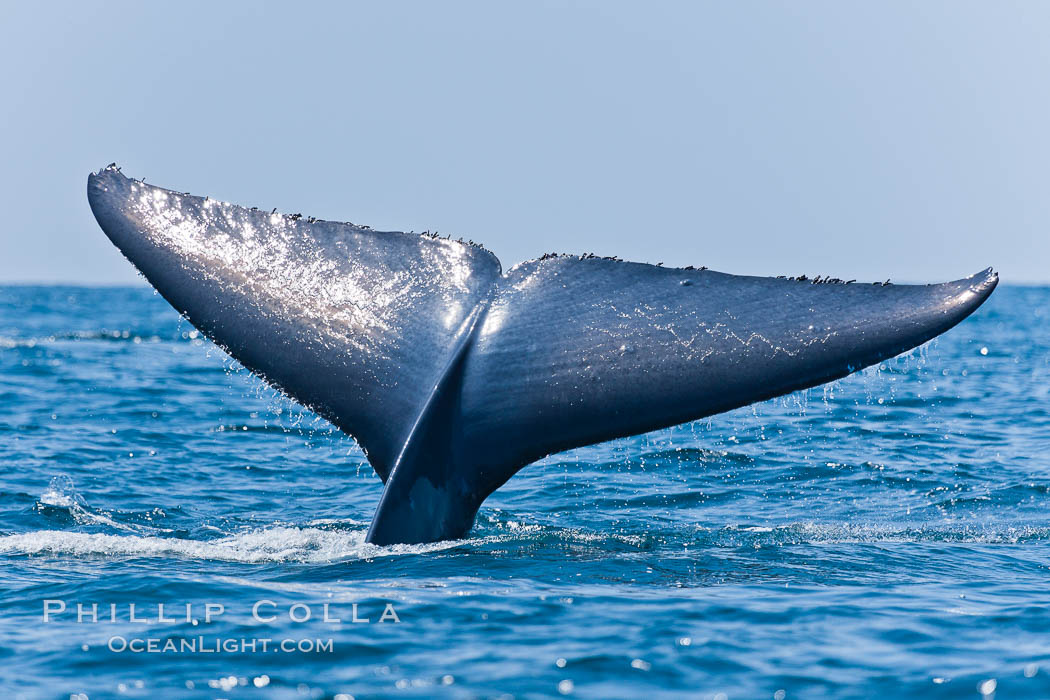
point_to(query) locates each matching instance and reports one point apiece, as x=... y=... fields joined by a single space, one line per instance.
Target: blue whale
x=453 y=375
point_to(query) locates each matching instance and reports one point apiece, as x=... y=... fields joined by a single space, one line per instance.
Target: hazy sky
x=904 y=140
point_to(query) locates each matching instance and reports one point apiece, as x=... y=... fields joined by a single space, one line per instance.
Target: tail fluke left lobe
x=355 y=324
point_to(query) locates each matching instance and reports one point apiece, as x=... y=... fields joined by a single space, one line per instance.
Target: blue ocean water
x=886 y=535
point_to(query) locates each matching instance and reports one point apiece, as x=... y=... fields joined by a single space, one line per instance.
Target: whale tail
x=452 y=376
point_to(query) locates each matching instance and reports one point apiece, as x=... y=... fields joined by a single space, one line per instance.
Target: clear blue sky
x=904 y=140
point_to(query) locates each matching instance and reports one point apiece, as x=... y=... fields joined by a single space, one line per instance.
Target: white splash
x=269 y=544
x=61 y=493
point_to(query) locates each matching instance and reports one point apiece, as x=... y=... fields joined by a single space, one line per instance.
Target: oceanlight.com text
x=218 y=645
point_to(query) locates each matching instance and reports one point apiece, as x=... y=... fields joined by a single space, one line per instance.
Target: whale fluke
x=452 y=376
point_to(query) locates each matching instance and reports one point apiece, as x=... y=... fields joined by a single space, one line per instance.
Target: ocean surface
x=884 y=536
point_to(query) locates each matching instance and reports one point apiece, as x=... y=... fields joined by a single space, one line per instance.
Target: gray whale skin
x=453 y=375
